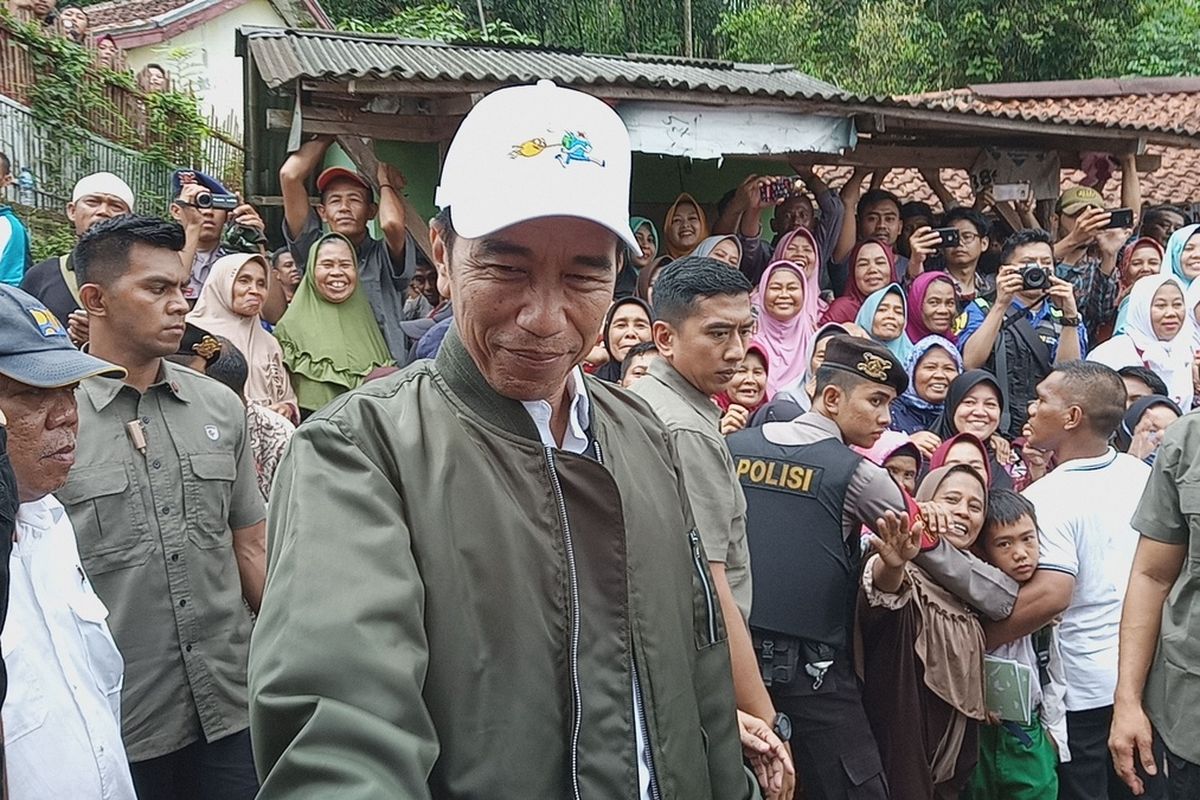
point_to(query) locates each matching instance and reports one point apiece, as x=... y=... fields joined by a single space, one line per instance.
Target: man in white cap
x=98 y=196
x=497 y=595
x=62 y=716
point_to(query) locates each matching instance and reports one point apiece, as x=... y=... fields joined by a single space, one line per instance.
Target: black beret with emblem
x=199 y=342
x=868 y=360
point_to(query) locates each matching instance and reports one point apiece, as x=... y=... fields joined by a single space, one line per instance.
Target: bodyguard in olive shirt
x=169 y=520
x=1157 y=679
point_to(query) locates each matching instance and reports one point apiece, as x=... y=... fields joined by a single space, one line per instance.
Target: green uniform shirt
x=155 y=534
x=718 y=504
x=1170 y=513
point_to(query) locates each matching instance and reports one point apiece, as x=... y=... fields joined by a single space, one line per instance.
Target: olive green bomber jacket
x=451 y=609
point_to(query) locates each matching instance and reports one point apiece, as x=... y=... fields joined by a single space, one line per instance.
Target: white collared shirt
x=62 y=716
x=575 y=440
x=1084 y=510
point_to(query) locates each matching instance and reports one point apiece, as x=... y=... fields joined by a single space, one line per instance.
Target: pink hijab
x=916 y=328
x=786 y=343
x=813 y=270
x=845 y=308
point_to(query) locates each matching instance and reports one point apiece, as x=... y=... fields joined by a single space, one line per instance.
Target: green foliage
x=440 y=22
x=1166 y=40
x=50 y=234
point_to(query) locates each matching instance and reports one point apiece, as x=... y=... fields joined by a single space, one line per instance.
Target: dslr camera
x=1034 y=277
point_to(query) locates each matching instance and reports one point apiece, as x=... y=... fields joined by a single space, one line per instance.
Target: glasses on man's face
x=968 y=238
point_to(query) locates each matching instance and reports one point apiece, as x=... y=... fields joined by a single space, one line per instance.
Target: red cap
x=336 y=173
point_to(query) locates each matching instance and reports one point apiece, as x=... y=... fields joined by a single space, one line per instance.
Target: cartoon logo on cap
x=48 y=324
x=574 y=146
x=874 y=367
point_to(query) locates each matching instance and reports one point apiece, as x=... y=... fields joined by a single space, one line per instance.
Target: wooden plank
x=384 y=127
x=362 y=153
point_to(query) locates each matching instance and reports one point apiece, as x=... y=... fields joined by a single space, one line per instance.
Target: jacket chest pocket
x=208 y=492
x=706 y=606
x=109 y=520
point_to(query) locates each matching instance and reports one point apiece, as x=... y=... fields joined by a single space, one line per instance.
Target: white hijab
x=1171 y=360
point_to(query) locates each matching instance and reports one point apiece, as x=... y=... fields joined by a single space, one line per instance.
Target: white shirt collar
x=575 y=440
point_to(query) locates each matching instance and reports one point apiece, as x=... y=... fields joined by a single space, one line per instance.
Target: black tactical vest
x=1020 y=367
x=805 y=572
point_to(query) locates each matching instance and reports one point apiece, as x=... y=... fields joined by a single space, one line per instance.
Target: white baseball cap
x=103 y=183
x=527 y=152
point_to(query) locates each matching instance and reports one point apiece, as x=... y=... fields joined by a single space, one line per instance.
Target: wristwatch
x=782 y=727
x=1069 y=322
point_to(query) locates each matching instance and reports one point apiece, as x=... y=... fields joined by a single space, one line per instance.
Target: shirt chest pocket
x=208 y=492
x=109 y=519
x=25 y=708
x=104 y=660
x=1189 y=505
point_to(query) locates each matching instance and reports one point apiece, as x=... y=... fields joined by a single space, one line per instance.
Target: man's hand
x=937 y=517
x=924 y=242
x=78 y=328
x=985 y=198
x=1089 y=222
x=770 y=757
x=1002 y=448
x=1062 y=295
x=1008 y=284
x=388 y=175
x=749 y=194
x=247 y=215
x=895 y=541
x=734 y=419
x=1110 y=240
x=1129 y=740
x=191 y=218
x=926 y=442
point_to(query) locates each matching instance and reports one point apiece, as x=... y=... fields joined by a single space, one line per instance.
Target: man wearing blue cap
x=204 y=207
x=62 y=720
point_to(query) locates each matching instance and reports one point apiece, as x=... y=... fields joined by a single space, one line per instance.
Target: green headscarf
x=635 y=223
x=329 y=348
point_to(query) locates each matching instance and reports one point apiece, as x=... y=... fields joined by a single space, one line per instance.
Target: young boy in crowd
x=1018 y=762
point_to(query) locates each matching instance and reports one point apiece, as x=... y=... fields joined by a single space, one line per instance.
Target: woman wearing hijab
x=726 y=249
x=1142 y=258
x=1183 y=254
x=800 y=247
x=747 y=393
x=1142 y=427
x=974 y=405
x=932 y=366
x=645 y=284
x=229 y=306
x=932 y=307
x=637 y=260
x=922 y=657
x=792 y=401
x=884 y=317
x=964 y=448
x=685 y=226
x=329 y=336
x=627 y=324
x=1158 y=335
x=896 y=453
x=872 y=267
x=787 y=320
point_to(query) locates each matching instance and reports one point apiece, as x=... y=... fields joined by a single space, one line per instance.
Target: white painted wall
x=210 y=63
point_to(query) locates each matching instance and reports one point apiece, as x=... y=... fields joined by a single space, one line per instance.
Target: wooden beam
x=352 y=122
x=362 y=153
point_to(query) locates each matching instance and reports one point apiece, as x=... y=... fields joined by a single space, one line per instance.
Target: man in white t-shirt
x=1084 y=508
x=62 y=716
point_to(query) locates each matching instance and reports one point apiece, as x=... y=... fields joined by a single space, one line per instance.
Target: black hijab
x=611 y=370
x=960 y=387
x=1133 y=416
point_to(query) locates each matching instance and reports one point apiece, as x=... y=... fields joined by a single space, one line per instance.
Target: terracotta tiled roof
x=122 y=12
x=1170 y=103
x=1176 y=181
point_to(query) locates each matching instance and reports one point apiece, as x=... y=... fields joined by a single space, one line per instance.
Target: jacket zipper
x=698 y=560
x=655 y=794
x=573 y=580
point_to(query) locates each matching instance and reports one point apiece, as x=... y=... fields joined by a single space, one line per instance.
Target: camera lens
x=1034 y=277
x=204 y=200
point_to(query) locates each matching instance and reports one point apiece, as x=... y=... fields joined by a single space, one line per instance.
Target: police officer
x=805 y=576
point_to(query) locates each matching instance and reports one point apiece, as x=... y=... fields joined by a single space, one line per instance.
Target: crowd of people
x=578 y=503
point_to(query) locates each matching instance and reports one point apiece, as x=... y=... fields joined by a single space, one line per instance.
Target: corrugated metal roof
x=284 y=55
